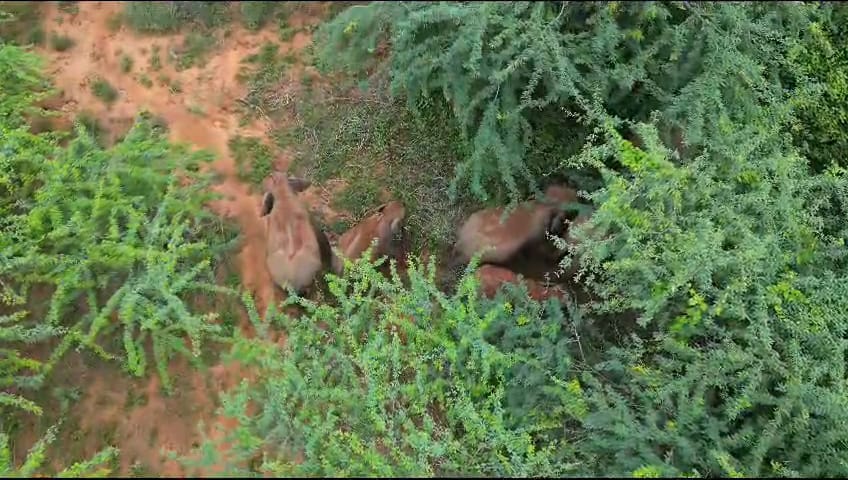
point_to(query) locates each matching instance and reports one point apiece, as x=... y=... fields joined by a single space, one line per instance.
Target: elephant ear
x=395 y=225
x=298 y=185
x=267 y=204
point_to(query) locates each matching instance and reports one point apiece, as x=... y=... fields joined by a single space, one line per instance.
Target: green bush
x=60 y=43
x=102 y=89
x=694 y=65
x=22 y=157
x=254 y=160
x=120 y=241
x=394 y=380
x=821 y=129
x=118 y=233
x=23 y=85
x=163 y=17
x=736 y=365
x=194 y=50
x=126 y=63
x=91 y=126
x=99 y=466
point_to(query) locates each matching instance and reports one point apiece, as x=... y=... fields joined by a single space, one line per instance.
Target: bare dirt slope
x=112 y=408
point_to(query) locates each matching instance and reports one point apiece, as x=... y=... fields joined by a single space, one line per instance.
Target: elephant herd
x=297 y=249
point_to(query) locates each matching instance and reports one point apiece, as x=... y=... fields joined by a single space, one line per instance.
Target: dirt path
x=204 y=116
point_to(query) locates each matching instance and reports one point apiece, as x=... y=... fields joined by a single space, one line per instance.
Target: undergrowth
x=102 y=89
x=164 y=17
x=60 y=43
x=194 y=50
x=254 y=159
x=115 y=237
x=371 y=142
x=392 y=380
x=21 y=23
x=24 y=160
x=267 y=80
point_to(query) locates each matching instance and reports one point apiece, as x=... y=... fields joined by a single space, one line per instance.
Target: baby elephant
x=491 y=278
x=382 y=225
x=294 y=253
x=527 y=224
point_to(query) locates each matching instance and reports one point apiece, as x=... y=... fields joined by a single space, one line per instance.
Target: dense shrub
x=116 y=230
x=22 y=157
x=697 y=65
x=20 y=160
x=120 y=235
x=712 y=230
x=396 y=380
x=738 y=366
x=821 y=129
x=102 y=89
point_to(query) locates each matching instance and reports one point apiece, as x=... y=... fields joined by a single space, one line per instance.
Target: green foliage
x=499 y=62
x=163 y=17
x=21 y=157
x=194 y=50
x=71 y=8
x=99 y=466
x=739 y=366
x=254 y=159
x=114 y=22
x=256 y=14
x=116 y=236
x=120 y=235
x=821 y=129
x=264 y=74
x=17 y=372
x=102 y=89
x=392 y=380
x=145 y=81
x=126 y=63
x=60 y=43
x=92 y=126
x=20 y=23
x=23 y=85
x=155 y=59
